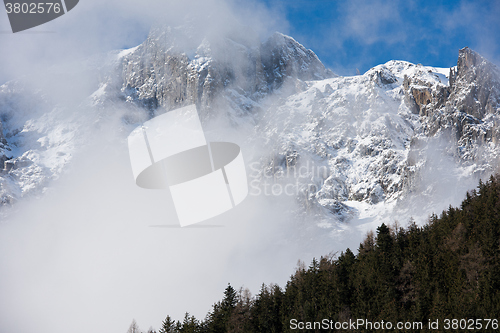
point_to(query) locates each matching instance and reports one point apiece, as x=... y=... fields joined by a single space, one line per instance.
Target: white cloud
x=368 y=22
x=95 y=26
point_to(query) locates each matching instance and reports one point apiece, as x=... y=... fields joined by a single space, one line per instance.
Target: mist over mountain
x=397 y=132
x=327 y=156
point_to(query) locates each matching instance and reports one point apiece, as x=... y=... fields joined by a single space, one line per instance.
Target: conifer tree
x=168 y=326
x=133 y=328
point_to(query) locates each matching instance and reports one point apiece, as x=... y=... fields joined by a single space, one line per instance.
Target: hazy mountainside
x=36 y=143
x=397 y=132
x=171 y=69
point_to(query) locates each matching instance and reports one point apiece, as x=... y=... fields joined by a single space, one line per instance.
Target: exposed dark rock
x=282 y=57
x=13 y=164
x=422 y=96
x=475 y=88
x=466 y=113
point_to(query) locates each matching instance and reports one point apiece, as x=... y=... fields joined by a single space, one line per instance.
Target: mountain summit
x=169 y=70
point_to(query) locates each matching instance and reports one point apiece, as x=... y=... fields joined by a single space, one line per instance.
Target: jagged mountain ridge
x=371 y=132
x=170 y=70
x=381 y=134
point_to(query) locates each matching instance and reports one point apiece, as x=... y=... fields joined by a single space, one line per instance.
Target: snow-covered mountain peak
x=280 y=49
x=230 y=72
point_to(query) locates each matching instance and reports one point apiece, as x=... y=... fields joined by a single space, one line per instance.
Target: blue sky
x=361 y=34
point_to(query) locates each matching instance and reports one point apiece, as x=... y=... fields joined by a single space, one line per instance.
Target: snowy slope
x=389 y=136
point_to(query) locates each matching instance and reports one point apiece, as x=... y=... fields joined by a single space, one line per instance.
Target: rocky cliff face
x=466 y=111
x=475 y=85
x=170 y=69
x=471 y=95
x=457 y=131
